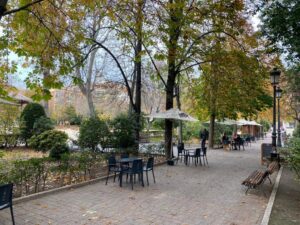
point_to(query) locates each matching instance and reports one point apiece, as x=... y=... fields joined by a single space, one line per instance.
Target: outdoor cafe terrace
x=181 y=195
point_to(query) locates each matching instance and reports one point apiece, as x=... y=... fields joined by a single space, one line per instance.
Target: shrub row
x=39 y=174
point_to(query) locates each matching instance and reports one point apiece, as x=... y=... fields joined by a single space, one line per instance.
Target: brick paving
x=183 y=195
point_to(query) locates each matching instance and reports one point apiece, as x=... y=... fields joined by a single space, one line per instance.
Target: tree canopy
x=281 y=26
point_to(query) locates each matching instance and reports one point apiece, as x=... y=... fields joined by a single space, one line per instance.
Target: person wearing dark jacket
x=203 y=136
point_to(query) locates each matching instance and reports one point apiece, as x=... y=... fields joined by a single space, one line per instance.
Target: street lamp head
x=2 y=7
x=274 y=76
x=278 y=92
x=3 y=3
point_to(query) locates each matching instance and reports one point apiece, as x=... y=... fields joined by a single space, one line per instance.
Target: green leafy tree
x=292 y=92
x=266 y=125
x=124 y=127
x=29 y=115
x=93 y=131
x=227 y=71
x=280 y=21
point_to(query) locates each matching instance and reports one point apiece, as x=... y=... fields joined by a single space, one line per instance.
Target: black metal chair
x=112 y=167
x=149 y=167
x=6 y=199
x=124 y=165
x=124 y=155
x=248 y=140
x=195 y=156
x=242 y=144
x=136 y=168
x=180 y=149
x=203 y=155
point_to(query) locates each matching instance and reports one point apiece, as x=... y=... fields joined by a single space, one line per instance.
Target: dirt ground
x=286 y=208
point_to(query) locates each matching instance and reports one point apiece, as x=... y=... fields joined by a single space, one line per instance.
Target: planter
x=171 y=162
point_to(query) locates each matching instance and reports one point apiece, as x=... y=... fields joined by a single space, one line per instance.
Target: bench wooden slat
x=272 y=167
x=255 y=178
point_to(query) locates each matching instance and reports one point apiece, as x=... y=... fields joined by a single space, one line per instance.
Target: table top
x=127 y=160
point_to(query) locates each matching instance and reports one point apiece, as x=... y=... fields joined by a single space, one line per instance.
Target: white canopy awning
x=7 y=102
x=174 y=114
x=226 y=121
x=247 y=122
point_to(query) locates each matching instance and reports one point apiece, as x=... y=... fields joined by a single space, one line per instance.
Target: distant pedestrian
x=225 y=142
x=204 y=136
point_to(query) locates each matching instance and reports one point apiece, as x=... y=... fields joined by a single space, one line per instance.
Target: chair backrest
x=111 y=161
x=204 y=150
x=124 y=155
x=137 y=166
x=242 y=141
x=6 y=194
x=198 y=151
x=150 y=162
x=180 y=147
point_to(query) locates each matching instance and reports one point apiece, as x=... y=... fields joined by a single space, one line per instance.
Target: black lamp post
x=278 y=96
x=2 y=7
x=274 y=76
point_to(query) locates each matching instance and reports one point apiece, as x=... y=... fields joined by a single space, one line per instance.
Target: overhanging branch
x=121 y=70
x=19 y=9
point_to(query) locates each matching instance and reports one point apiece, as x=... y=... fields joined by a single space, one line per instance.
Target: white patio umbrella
x=174 y=114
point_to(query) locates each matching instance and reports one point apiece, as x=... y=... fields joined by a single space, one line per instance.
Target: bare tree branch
x=121 y=70
x=19 y=9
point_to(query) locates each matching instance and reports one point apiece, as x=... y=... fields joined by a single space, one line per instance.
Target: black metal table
x=125 y=161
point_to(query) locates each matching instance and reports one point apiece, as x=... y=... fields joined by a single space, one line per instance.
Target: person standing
x=203 y=136
x=225 y=142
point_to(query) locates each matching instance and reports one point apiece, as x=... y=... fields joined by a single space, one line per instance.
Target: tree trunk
x=211 y=130
x=179 y=130
x=169 y=105
x=45 y=103
x=175 y=18
x=138 y=66
x=91 y=106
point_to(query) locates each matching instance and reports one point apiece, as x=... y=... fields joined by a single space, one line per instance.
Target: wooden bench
x=255 y=179
x=258 y=177
x=272 y=167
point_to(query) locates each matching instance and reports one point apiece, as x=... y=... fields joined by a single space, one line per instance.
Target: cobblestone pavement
x=182 y=195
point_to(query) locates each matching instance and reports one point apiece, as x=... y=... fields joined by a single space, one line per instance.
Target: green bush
x=47 y=140
x=9 y=125
x=58 y=150
x=160 y=124
x=71 y=116
x=92 y=132
x=190 y=130
x=123 y=130
x=42 y=124
x=292 y=151
x=296 y=132
x=29 y=115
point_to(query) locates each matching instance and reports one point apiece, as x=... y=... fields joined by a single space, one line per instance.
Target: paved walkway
x=182 y=195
